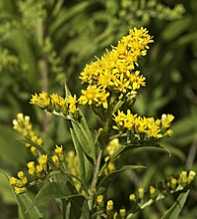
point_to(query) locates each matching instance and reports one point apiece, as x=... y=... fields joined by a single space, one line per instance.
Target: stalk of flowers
x=115 y=71
x=144 y=127
x=23 y=125
x=37 y=170
x=55 y=103
x=143 y=198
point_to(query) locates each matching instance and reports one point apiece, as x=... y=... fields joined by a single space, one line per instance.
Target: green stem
x=63 y=209
x=95 y=179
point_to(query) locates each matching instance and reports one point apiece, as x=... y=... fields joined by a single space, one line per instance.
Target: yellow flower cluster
x=57 y=156
x=144 y=126
x=72 y=103
x=54 y=102
x=23 y=125
x=115 y=70
x=37 y=169
x=19 y=183
x=172 y=184
x=94 y=94
x=141 y=196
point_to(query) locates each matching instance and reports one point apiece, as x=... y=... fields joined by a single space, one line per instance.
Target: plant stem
x=63 y=209
x=95 y=179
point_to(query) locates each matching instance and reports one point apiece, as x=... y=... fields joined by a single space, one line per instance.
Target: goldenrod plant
x=78 y=179
x=42 y=44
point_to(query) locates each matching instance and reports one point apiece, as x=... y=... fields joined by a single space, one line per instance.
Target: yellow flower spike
x=42 y=99
x=110 y=206
x=57 y=101
x=191 y=176
x=147 y=126
x=13 y=181
x=132 y=197
x=22 y=124
x=55 y=160
x=71 y=102
x=141 y=193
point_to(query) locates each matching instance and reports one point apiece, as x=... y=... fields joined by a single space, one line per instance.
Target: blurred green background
x=45 y=43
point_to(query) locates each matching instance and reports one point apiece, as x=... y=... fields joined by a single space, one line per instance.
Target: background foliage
x=44 y=43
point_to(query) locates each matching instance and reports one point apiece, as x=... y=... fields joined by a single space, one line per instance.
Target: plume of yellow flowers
x=37 y=169
x=55 y=102
x=115 y=70
x=19 y=183
x=23 y=125
x=144 y=126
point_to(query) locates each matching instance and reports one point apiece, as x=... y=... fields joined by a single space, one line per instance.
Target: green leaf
x=84 y=138
x=85 y=166
x=11 y=151
x=25 y=202
x=52 y=191
x=174 y=211
x=6 y=191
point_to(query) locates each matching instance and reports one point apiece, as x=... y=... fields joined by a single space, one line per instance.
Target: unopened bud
x=191 y=176
x=122 y=213
x=173 y=183
x=132 y=197
x=110 y=205
x=99 y=199
x=152 y=191
x=141 y=193
x=183 y=178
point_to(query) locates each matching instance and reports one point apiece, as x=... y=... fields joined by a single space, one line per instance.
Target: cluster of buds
x=23 y=125
x=19 y=183
x=171 y=185
x=144 y=127
x=58 y=156
x=54 y=102
x=141 y=197
x=108 y=209
x=37 y=170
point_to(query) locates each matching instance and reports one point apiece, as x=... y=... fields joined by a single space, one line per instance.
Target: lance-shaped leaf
x=174 y=211
x=85 y=166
